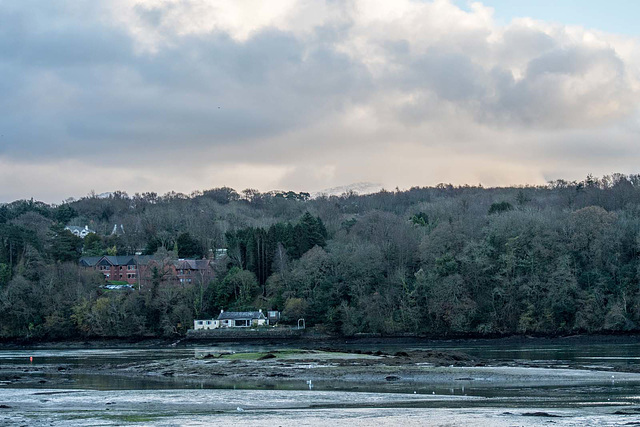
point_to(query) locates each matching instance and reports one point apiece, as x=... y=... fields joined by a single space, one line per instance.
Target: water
x=603 y=394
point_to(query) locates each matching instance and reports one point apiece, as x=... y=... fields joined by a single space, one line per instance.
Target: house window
x=242 y=322
x=199 y=322
x=131 y=267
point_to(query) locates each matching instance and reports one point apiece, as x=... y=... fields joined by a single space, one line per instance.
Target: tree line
x=553 y=259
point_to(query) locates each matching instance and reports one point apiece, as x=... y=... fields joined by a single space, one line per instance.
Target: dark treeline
x=560 y=258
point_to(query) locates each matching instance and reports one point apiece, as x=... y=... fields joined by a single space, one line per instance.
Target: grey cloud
x=268 y=85
x=537 y=100
x=73 y=85
x=573 y=61
x=540 y=98
x=523 y=43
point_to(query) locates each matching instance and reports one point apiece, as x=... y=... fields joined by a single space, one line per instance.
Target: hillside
x=559 y=258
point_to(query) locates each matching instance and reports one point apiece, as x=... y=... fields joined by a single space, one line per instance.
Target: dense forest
x=554 y=259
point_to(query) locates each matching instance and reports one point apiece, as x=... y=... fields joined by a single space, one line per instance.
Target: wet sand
x=311 y=408
x=314 y=387
x=326 y=369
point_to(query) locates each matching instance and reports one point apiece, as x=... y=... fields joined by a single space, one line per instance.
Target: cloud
x=304 y=95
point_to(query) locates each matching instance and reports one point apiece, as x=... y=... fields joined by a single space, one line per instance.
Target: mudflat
x=325 y=369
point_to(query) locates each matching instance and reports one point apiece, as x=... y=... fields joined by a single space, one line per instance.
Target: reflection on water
x=558 y=353
x=624 y=351
x=68 y=398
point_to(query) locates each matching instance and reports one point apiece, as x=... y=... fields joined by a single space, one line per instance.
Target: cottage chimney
x=221 y=311
x=260 y=311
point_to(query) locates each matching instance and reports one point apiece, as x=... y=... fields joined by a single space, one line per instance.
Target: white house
x=242 y=319
x=79 y=231
x=206 y=324
x=233 y=319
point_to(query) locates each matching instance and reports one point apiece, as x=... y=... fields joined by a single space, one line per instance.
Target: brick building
x=135 y=269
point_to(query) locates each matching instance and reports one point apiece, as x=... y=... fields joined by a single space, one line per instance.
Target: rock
x=267 y=356
x=540 y=414
x=392 y=378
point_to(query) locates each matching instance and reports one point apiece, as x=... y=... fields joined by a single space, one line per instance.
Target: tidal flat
x=527 y=383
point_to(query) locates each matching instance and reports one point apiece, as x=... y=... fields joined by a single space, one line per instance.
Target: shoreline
x=226 y=385
x=313 y=339
x=328 y=369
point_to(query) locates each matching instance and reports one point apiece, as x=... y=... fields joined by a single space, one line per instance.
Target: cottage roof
x=236 y=315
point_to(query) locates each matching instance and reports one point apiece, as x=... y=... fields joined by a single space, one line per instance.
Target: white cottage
x=236 y=319
x=206 y=324
x=242 y=319
x=79 y=231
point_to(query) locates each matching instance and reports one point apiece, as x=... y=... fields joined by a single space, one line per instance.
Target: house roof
x=236 y=315
x=78 y=228
x=144 y=259
x=191 y=264
x=120 y=260
x=90 y=261
x=184 y=264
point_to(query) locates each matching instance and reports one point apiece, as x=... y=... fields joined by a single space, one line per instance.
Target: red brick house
x=135 y=269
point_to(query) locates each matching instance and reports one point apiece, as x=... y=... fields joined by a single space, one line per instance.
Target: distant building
x=192 y=270
x=220 y=253
x=242 y=319
x=235 y=319
x=79 y=231
x=117 y=268
x=136 y=268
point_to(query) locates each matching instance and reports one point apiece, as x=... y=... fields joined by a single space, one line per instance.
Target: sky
x=613 y=16
x=183 y=95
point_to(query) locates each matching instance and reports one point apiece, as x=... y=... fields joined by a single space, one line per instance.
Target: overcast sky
x=161 y=95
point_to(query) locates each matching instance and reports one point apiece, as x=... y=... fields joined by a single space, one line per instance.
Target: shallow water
x=83 y=399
